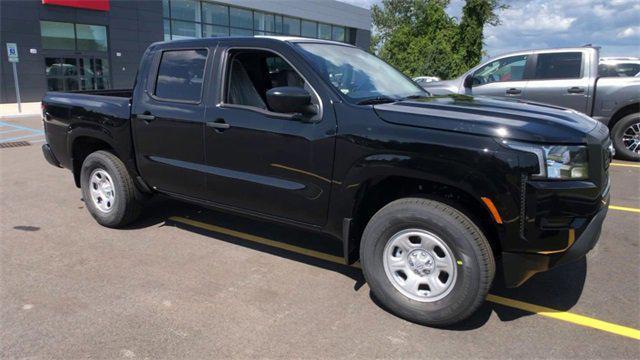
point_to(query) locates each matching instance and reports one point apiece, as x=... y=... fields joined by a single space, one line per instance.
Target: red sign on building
x=102 y=5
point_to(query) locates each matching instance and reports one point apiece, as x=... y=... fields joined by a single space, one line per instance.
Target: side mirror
x=290 y=100
x=468 y=81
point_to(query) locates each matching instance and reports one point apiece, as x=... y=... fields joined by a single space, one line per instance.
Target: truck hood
x=500 y=118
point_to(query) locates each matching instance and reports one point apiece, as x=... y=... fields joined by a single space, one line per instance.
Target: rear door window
x=559 y=66
x=180 y=75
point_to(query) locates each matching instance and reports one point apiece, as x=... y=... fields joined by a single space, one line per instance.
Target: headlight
x=557 y=161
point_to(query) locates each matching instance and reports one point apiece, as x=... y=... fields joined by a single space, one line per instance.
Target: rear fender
x=113 y=139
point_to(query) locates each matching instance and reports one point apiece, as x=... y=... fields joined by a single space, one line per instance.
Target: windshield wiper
x=412 y=97
x=376 y=100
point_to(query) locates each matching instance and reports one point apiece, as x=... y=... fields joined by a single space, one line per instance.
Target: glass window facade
x=195 y=19
x=309 y=29
x=215 y=14
x=324 y=31
x=290 y=26
x=264 y=23
x=91 y=37
x=185 y=10
x=58 y=35
x=241 y=18
x=69 y=36
x=337 y=33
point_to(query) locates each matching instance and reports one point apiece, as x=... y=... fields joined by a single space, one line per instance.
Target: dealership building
x=67 y=45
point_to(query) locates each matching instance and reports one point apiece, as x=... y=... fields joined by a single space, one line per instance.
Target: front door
x=262 y=161
x=504 y=77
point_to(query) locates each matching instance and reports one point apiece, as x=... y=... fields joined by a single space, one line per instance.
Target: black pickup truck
x=426 y=192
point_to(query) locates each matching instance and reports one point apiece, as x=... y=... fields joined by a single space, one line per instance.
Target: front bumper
x=519 y=267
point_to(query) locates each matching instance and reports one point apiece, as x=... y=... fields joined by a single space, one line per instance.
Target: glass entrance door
x=94 y=73
x=77 y=73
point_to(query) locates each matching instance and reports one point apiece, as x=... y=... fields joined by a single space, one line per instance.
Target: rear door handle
x=513 y=91
x=219 y=125
x=575 y=90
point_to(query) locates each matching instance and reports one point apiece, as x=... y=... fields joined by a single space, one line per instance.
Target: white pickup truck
x=566 y=77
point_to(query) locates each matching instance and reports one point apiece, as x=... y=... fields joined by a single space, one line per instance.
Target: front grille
x=14 y=144
x=523 y=203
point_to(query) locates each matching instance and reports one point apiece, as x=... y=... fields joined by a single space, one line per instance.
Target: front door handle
x=219 y=125
x=514 y=91
x=575 y=90
x=146 y=117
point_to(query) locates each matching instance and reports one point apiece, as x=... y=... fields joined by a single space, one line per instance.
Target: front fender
x=483 y=170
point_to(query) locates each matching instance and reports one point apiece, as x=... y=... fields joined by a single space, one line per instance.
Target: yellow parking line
x=536 y=309
x=624 y=165
x=624 y=208
x=567 y=316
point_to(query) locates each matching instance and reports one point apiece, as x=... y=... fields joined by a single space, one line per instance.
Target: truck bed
x=68 y=115
x=67 y=105
x=127 y=93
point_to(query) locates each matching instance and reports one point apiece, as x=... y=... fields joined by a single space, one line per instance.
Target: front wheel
x=426 y=261
x=108 y=190
x=626 y=137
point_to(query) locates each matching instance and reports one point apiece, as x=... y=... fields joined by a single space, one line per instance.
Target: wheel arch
x=622 y=112
x=81 y=145
x=376 y=192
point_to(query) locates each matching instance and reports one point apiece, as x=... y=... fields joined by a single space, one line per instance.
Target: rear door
x=263 y=161
x=503 y=77
x=168 y=122
x=560 y=78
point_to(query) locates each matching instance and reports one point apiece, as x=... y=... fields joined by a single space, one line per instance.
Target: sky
x=614 y=25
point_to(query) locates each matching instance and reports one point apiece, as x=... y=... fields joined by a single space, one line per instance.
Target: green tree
x=419 y=38
x=475 y=14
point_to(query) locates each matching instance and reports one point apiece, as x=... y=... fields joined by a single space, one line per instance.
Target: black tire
x=616 y=136
x=126 y=206
x=465 y=240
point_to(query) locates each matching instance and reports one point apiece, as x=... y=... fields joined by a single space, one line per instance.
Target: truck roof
x=215 y=40
x=559 y=49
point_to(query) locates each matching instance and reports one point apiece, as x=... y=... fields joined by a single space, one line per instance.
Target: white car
x=421 y=80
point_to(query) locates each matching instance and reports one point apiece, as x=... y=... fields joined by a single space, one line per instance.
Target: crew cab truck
x=427 y=192
x=567 y=77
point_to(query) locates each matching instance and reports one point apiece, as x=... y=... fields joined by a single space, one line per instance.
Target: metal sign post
x=12 y=53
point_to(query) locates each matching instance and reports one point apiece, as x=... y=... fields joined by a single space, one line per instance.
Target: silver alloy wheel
x=420 y=265
x=631 y=138
x=103 y=193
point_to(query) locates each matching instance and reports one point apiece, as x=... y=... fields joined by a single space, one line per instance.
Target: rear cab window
x=181 y=75
x=562 y=65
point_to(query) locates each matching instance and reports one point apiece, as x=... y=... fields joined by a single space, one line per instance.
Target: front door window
x=501 y=70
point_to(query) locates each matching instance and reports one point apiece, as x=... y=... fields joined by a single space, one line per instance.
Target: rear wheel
x=626 y=137
x=108 y=190
x=426 y=261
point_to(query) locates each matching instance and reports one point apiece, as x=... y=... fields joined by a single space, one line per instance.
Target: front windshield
x=358 y=74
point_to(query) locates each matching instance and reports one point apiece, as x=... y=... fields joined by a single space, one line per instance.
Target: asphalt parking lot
x=186 y=282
